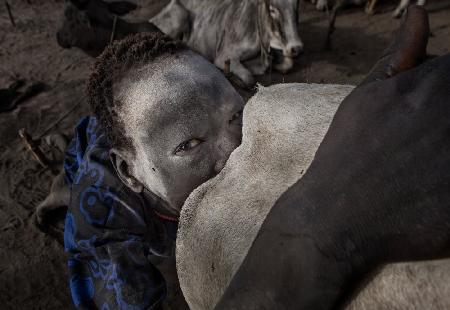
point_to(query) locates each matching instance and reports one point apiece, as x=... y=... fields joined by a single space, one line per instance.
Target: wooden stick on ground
x=33 y=147
x=11 y=18
x=59 y=120
x=226 y=67
x=113 y=32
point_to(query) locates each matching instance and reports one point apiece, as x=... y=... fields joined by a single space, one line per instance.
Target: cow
x=91 y=25
x=237 y=36
x=283 y=125
x=370 y=7
x=372 y=191
x=400 y=8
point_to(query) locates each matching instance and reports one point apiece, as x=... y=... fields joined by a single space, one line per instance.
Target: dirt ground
x=32 y=265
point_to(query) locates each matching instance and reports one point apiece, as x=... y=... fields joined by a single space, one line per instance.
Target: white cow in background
x=237 y=36
x=282 y=128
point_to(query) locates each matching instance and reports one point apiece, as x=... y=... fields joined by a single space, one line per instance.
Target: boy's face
x=184 y=119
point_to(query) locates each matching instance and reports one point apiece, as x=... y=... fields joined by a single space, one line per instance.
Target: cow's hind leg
x=370 y=6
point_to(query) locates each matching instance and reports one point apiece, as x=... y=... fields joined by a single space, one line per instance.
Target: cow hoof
x=247 y=81
x=258 y=70
x=369 y=10
x=322 y=5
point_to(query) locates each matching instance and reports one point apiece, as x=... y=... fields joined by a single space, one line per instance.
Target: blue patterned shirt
x=111 y=234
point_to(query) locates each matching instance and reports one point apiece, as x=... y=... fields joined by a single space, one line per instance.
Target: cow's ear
x=122 y=164
x=121 y=7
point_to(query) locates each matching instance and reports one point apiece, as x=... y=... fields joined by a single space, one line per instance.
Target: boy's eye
x=187 y=145
x=236 y=116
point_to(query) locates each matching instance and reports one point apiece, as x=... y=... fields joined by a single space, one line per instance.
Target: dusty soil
x=32 y=265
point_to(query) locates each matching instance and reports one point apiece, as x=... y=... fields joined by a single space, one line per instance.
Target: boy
x=166 y=120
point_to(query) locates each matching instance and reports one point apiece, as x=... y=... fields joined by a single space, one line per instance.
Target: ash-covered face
x=184 y=119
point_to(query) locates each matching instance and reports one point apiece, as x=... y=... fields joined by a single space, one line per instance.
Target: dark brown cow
x=376 y=192
x=89 y=25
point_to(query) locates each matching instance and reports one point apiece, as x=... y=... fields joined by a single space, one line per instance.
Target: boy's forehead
x=169 y=87
x=168 y=76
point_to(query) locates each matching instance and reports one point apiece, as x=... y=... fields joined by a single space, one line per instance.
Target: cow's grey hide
x=235 y=35
x=283 y=127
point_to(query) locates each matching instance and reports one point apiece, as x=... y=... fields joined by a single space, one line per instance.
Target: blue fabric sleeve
x=109 y=232
x=112 y=274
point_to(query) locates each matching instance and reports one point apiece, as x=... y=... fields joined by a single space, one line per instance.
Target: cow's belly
x=283 y=127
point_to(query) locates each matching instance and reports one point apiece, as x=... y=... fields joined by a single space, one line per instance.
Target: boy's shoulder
x=88 y=152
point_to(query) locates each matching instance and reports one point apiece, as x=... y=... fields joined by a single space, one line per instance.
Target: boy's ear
x=121 y=163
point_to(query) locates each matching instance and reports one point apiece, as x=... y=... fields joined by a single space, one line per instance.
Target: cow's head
x=281 y=20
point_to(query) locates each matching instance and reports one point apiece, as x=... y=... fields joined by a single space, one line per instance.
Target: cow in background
x=238 y=36
x=398 y=11
x=91 y=24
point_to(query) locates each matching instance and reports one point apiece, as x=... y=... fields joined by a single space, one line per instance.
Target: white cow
x=283 y=127
x=237 y=36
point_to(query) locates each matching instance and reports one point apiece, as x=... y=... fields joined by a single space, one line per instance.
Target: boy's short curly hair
x=116 y=59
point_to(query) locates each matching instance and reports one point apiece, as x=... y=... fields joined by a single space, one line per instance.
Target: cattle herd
x=244 y=38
